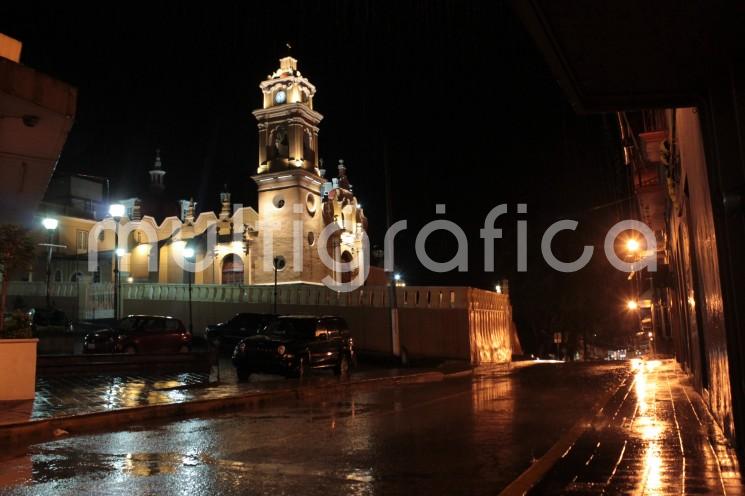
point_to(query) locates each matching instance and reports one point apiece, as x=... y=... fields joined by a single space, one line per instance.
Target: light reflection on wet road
x=654 y=437
x=462 y=436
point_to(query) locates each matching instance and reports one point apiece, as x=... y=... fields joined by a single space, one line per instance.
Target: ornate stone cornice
x=288 y=111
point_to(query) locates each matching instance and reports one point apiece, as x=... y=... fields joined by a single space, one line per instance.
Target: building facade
x=688 y=161
x=307 y=235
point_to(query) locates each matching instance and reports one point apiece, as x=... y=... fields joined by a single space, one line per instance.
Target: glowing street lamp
x=498 y=288
x=50 y=224
x=632 y=305
x=632 y=245
x=116 y=210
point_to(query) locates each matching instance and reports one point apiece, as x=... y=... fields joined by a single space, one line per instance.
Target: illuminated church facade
x=238 y=244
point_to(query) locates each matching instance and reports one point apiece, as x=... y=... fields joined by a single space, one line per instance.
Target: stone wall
x=434 y=321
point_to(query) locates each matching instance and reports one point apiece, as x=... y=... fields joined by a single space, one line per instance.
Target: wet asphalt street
x=469 y=435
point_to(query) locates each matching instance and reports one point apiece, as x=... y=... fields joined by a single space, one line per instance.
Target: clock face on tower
x=280 y=97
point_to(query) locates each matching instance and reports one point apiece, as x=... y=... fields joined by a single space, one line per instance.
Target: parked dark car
x=227 y=335
x=293 y=345
x=140 y=334
x=49 y=319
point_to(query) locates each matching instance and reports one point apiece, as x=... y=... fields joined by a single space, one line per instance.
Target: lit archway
x=346 y=275
x=232 y=269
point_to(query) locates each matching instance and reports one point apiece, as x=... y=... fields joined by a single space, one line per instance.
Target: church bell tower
x=288 y=125
x=288 y=178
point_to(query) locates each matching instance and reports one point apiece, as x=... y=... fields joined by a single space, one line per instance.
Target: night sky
x=465 y=104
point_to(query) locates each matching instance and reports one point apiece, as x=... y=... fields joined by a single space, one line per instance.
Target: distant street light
x=632 y=305
x=498 y=288
x=50 y=224
x=189 y=255
x=116 y=211
x=632 y=245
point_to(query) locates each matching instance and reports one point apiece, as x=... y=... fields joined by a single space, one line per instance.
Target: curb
x=535 y=472
x=42 y=430
x=459 y=374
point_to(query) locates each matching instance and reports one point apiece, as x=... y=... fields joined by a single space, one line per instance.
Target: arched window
x=57 y=275
x=76 y=276
x=232 y=269
x=279 y=142
x=309 y=153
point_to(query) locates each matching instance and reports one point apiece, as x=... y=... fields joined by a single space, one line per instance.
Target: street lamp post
x=50 y=224
x=633 y=248
x=189 y=255
x=116 y=211
x=279 y=264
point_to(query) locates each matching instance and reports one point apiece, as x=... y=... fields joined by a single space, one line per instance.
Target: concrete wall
x=444 y=322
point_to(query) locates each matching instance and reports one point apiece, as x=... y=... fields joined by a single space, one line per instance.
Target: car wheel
x=243 y=374
x=342 y=368
x=184 y=349
x=130 y=350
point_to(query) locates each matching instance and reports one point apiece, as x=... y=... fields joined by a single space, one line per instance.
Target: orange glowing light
x=632 y=245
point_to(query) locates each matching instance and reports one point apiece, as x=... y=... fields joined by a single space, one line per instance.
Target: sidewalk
x=654 y=436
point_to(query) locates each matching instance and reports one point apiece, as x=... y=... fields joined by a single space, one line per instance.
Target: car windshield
x=291 y=328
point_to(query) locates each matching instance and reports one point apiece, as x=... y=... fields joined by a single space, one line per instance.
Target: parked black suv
x=226 y=335
x=292 y=345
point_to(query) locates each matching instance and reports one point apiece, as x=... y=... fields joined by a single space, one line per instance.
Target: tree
x=16 y=252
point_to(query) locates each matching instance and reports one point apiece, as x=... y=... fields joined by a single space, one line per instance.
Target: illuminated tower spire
x=157 y=174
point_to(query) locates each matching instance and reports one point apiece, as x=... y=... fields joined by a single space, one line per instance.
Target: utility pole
x=50 y=224
x=392 y=300
x=189 y=255
x=116 y=272
x=279 y=264
x=116 y=211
